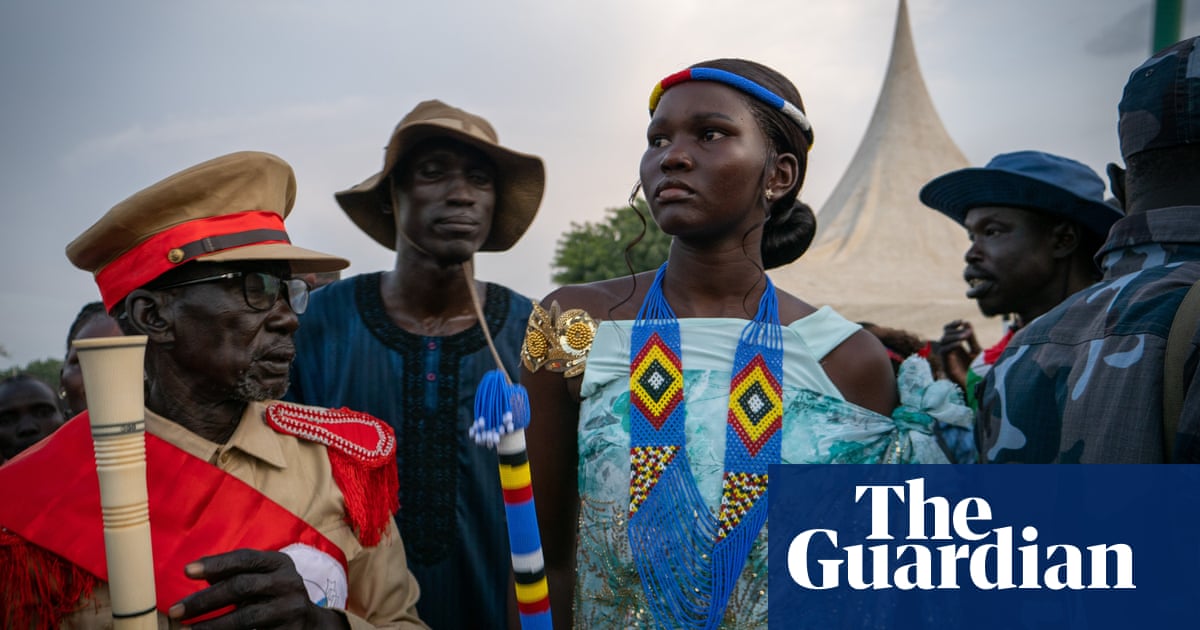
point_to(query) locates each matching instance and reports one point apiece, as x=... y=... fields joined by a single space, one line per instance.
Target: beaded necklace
x=688 y=560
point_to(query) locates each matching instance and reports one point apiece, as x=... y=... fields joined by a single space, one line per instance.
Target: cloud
x=1129 y=32
x=139 y=138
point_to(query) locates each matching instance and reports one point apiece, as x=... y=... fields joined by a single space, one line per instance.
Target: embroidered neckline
x=368 y=296
x=429 y=467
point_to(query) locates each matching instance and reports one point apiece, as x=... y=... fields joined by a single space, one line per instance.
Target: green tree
x=596 y=251
x=44 y=369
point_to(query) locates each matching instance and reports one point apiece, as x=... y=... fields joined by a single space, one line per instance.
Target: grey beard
x=247 y=390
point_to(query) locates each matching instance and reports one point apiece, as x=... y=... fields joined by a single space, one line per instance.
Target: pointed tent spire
x=879 y=254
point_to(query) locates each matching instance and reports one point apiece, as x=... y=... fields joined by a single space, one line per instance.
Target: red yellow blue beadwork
x=668 y=519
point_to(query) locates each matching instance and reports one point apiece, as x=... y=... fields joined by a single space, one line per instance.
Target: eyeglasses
x=261 y=290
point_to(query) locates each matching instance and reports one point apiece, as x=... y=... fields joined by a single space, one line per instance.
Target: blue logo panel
x=982 y=547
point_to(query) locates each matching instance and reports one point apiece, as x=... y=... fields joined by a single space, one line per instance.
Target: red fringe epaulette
x=40 y=588
x=362 y=453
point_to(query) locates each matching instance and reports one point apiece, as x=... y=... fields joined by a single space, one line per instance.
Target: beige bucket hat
x=521 y=178
x=226 y=209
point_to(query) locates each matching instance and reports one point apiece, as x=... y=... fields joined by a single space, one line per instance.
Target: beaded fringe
x=689 y=562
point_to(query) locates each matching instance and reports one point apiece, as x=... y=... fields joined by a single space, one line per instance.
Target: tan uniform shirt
x=296 y=474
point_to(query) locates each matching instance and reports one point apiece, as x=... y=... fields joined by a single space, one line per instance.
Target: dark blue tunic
x=351 y=354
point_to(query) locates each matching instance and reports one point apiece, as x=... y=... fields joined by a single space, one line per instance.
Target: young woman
x=652 y=431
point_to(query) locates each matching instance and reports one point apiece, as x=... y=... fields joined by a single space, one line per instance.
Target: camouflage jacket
x=1084 y=382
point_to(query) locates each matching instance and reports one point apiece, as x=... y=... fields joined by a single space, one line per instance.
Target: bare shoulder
x=860 y=368
x=617 y=298
x=792 y=308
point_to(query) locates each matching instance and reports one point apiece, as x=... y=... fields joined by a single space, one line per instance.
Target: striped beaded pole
x=501 y=415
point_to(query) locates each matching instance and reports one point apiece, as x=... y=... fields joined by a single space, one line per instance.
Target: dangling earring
x=769 y=195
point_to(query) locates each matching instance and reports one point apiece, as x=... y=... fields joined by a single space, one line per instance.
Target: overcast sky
x=101 y=99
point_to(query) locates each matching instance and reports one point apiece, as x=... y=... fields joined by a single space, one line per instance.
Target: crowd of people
x=329 y=428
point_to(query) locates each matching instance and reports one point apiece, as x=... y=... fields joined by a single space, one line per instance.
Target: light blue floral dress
x=819 y=427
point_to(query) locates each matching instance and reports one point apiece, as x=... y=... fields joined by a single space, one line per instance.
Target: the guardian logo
x=949 y=547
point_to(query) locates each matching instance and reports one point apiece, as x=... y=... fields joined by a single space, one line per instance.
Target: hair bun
x=787 y=234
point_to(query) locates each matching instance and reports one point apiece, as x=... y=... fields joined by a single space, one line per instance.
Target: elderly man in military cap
x=272 y=508
x=1091 y=381
x=407 y=346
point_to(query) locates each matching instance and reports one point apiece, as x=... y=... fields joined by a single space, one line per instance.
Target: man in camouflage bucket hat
x=1084 y=382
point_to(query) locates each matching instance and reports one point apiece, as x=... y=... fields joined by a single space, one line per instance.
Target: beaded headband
x=737 y=82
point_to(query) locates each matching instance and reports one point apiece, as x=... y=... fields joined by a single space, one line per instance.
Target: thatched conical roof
x=879 y=253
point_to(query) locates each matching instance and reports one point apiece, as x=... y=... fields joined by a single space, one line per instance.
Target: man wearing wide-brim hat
x=406 y=345
x=1035 y=221
x=262 y=513
x=1109 y=376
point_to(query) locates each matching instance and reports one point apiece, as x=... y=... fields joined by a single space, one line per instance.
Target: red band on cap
x=153 y=257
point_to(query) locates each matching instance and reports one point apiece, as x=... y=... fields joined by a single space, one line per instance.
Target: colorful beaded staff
x=737 y=82
x=501 y=415
x=667 y=515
